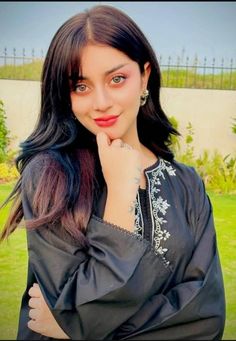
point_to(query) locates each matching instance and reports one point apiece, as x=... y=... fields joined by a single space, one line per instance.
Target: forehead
x=101 y=58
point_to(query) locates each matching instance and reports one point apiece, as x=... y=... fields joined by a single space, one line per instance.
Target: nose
x=102 y=100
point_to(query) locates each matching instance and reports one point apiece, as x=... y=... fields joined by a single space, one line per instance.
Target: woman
x=121 y=237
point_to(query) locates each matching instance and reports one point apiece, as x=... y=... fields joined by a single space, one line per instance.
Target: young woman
x=121 y=237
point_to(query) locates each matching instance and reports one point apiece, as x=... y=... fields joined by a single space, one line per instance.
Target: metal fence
x=176 y=72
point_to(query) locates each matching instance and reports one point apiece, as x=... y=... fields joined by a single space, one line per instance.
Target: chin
x=113 y=136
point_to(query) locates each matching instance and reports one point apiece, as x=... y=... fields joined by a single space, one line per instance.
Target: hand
x=121 y=164
x=42 y=321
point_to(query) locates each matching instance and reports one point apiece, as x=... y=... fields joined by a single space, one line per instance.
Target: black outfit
x=162 y=282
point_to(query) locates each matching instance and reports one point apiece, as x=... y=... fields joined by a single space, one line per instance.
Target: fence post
x=168 y=71
x=177 y=72
x=186 y=76
x=213 y=70
x=230 y=76
x=5 y=56
x=33 y=55
x=14 y=57
x=195 y=65
x=221 y=76
x=204 y=72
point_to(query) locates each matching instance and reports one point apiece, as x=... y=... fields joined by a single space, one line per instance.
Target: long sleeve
x=107 y=282
x=194 y=307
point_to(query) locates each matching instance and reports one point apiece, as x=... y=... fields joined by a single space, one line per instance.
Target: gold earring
x=144 y=97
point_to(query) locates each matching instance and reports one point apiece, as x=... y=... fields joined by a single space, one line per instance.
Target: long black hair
x=68 y=150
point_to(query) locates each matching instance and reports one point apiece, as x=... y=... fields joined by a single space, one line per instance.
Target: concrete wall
x=209 y=111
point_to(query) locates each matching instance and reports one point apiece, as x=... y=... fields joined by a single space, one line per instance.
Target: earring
x=144 y=97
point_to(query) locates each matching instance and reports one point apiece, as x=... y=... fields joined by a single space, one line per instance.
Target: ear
x=145 y=75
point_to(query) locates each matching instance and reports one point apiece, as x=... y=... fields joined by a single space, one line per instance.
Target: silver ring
x=125 y=145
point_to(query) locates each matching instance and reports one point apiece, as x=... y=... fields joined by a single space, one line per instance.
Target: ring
x=125 y=145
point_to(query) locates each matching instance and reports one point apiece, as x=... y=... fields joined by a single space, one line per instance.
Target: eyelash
x=84 y=85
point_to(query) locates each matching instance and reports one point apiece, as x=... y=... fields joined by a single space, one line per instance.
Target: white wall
x=209 y=111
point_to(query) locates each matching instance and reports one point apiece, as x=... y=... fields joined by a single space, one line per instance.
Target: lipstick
x=106 y=120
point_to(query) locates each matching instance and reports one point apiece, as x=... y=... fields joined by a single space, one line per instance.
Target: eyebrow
x=106 y=73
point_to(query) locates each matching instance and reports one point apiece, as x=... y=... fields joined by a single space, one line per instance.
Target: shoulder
x=187 y=174
x=41 y=161
x=37 y=162
x=188 y=184
x=36 y=168
x=194 y=189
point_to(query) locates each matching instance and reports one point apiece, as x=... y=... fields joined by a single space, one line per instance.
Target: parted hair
x=71 y=179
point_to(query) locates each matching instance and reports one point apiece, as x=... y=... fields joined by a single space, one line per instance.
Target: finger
x=35 y=291
x=117 y=143
x=34 y=302
x=33 y=314
x=102 y=139
x=128 y=146
x=33 y=325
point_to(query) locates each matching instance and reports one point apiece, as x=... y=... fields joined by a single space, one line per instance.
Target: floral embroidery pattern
x=158 y=207
x=139 y=224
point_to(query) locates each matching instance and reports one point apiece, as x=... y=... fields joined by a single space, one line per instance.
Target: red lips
x=106 y=120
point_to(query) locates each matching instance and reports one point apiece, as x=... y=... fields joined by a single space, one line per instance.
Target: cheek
x=130 y=97
x=134 y=91
x=78 y=107
x=73 y=102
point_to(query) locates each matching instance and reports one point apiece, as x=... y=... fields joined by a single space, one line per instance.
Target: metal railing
x=198 y=74
x=178 y=73
x=7 y=58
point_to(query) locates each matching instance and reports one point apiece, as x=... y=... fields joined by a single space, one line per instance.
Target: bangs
x=74 y=62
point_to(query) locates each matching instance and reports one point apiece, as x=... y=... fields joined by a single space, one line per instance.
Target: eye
x=80 y=87
x=118 y=79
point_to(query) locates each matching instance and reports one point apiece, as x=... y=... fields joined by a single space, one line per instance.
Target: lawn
x=13 y=266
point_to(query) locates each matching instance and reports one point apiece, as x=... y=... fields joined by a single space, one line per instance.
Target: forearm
x=105 y=282
x=120 y=210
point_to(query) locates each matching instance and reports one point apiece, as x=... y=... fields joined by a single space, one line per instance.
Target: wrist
x=120 y=210
x=122 y=194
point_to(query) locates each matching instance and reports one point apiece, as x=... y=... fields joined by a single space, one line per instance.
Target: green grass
x=13 y=269
x=13 y=266
x=174 y=77
x=29 y=71
x=180 y=78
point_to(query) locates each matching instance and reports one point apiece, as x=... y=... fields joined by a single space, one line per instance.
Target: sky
x=174 y=28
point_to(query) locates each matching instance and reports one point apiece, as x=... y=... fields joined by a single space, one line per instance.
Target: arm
x=113 y=277
x=194 y=308
x=82 y=287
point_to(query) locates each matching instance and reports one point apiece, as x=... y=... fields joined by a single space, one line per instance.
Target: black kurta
x=162 y=282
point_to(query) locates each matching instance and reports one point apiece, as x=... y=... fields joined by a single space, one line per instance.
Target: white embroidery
x=139 y=225
x=158 y=207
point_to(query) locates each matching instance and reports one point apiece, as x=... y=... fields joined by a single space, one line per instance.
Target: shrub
x=4 y=133
x=8 y=173
x=234 y=125
x=217 y=171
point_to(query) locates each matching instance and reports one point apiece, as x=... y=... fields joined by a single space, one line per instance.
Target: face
x=107 y=97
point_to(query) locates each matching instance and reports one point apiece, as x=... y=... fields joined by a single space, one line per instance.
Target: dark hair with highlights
x=70 y=175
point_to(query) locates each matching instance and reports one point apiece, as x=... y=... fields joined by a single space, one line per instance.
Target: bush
x=217 y=171
x=234 y=125
x=4 y=133
x=8 y=173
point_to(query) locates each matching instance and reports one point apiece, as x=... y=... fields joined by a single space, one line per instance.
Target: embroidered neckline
x=155 y=175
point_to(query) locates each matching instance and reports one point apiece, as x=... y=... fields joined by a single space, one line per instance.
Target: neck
x=147 y=156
